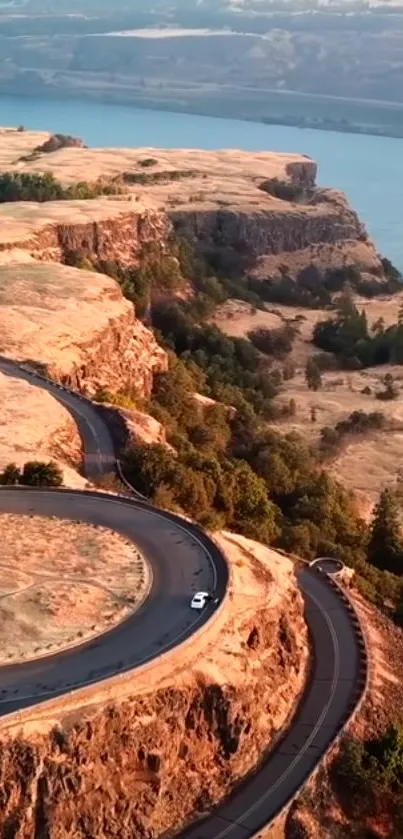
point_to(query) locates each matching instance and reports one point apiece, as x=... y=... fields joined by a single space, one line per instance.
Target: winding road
x=183 y=559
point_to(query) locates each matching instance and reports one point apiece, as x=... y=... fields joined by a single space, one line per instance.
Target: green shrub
x=34 y=473
x=273 y=342
x=24 y=186
x=369 y=774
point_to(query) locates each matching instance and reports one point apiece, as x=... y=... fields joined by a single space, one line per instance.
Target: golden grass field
x=62 y=582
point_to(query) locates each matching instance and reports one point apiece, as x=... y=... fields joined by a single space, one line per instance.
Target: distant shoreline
x=203 y=109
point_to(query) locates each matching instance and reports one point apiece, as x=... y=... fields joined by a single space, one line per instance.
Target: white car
x=199 y=600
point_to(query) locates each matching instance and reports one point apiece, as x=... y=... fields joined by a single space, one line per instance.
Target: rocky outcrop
x=77 y=327
x=60 y=141
x=128 y=426
x=272 y=230
x=123 y=356
x=302 y=172
x=151 y=763
x=121 y=238
x=216 y=199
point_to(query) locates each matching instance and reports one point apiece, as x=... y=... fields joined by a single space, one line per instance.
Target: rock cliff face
x=217 y=199
x=151 y=763
x=272 y=230
x=52 y=232
x=76 y=326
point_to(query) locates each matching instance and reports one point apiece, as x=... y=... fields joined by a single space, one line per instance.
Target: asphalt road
x=333 y=690
x=183 y=560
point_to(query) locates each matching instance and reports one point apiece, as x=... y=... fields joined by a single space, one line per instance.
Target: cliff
x=76 y=326
x=190 y=729
x=223 y=201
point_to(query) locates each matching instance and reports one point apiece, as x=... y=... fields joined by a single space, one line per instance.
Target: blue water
x=369 y=169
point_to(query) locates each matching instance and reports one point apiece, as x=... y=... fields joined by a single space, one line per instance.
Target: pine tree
x=312 y=375
x=385 y=548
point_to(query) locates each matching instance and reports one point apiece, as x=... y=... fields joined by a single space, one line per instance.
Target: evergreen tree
x=11 y=475
x=385 y=548
x=313 y=375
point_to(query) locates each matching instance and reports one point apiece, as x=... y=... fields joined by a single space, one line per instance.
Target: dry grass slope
x=62 y=582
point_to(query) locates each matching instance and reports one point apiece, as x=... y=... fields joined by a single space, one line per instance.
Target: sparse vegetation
x=161 y=177
x=23 y=186
x=390 y=390
x=369 y=776
x=358 y=423
x=273 y=342
x=147 y=162
x=313 y=375
x=130 y=400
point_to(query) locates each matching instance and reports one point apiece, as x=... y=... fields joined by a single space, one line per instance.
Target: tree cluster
x=369 y=777
x=234 y=372
x=276 y=343
x=358 y=422
x=385 y=547
x=347 y=335
x=227 y=468
x=315 y=288
x=33 y=473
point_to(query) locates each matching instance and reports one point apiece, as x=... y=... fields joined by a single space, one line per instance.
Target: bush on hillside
x=369 y=774
x=273 y=342
x=34 y=473
x=24 y=186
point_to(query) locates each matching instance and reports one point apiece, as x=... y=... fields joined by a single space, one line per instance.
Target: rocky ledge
x=223 y=201
x=77 y=327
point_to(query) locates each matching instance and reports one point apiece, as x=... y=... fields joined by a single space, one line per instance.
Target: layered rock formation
x=76 y=326
x=190 y=730
x=217 y=199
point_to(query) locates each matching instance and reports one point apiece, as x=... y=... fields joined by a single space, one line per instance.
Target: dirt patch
x=62 y=582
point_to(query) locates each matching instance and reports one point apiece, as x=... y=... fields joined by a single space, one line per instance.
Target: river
x=368 y=168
